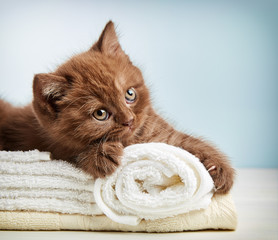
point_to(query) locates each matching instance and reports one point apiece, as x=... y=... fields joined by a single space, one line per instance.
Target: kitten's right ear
x=108 y=42
x=48 y=90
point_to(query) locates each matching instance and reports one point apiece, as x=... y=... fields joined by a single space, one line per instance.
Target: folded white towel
x=30 y=181
x=155 y=180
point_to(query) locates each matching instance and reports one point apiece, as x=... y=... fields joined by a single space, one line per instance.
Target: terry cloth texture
x=158 y=188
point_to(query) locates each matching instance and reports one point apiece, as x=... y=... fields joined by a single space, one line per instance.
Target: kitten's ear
x=48 y=90
x=108 y=42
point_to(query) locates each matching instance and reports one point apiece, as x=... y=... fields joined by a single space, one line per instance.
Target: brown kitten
x=93 y=106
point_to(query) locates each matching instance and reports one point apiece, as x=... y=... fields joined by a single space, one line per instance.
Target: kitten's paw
x=102 y=160
x=112 y=151
x=222 y=175
x=109 y=158
x=105 y=166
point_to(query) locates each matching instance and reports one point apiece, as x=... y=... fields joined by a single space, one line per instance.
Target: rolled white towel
x=155 y=180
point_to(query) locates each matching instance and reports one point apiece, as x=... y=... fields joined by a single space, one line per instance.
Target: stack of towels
x=157 y=188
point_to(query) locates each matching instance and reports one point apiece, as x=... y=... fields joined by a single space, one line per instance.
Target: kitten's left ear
x=108 y=42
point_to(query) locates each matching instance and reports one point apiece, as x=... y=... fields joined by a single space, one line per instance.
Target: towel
x=155 y=181
x=221 y=214
x=53 y=191
x=32 y=181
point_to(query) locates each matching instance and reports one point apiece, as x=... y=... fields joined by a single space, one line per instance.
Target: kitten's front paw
x=110 y=156
x=102 y=160
x=222 y=175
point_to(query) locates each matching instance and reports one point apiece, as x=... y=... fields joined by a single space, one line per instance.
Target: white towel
x=30 y=181
x=154 y=181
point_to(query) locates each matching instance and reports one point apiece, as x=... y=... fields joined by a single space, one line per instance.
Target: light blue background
x=211 y=65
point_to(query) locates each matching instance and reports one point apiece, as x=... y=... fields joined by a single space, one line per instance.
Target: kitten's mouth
x=128 y=131
x=123 y=132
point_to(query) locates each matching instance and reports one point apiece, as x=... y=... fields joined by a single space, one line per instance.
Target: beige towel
x=221 y=214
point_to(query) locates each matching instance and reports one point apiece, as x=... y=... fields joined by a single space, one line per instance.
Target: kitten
x=93 y=106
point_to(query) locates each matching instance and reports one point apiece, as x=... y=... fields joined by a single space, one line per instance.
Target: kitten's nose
x=128 y=123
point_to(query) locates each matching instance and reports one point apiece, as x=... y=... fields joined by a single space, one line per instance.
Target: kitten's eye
x=101 y=115
x=130 y=95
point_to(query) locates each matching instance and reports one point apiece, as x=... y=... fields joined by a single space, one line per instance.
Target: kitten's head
x=96 y=95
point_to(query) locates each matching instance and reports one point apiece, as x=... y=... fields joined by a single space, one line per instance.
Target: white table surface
x=256 y=197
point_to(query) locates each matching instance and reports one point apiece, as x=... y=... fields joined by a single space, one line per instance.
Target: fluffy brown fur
x=62 y=118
